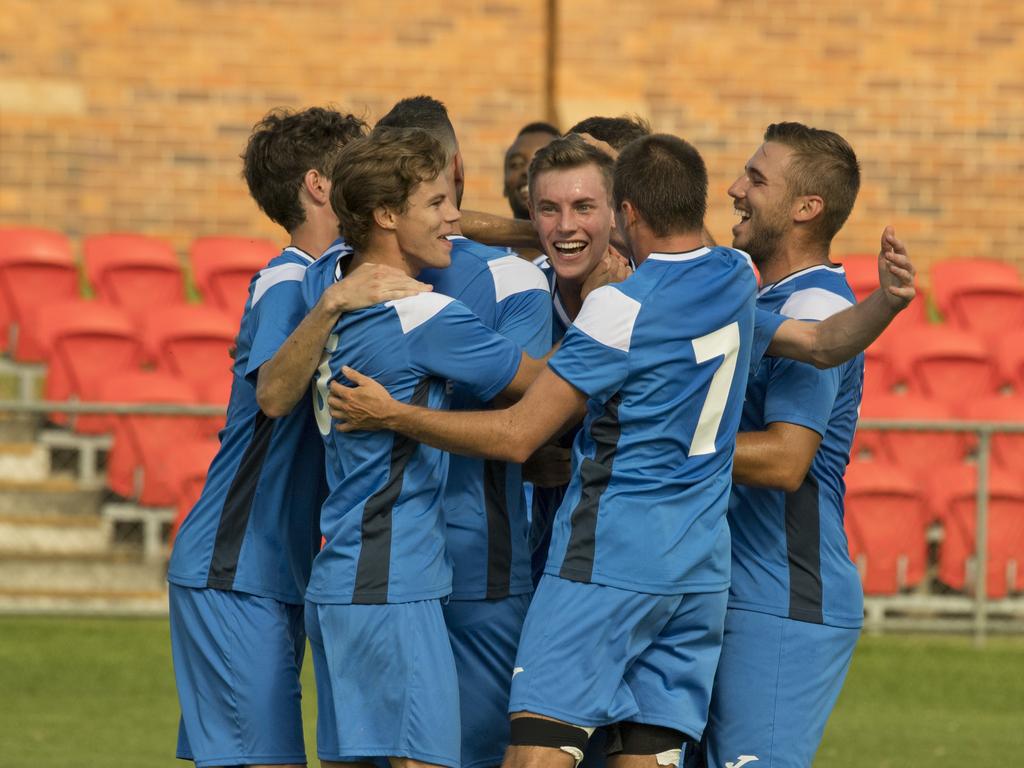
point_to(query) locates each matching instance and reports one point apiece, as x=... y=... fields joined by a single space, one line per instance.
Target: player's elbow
x=518 y=452
x=272 y=407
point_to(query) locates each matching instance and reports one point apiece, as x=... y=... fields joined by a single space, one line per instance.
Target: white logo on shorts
x=742 y=760
x=517 y=670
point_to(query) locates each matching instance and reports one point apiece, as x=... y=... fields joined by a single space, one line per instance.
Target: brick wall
x=130 y=115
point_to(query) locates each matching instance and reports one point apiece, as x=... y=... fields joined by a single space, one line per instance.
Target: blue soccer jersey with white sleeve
x=790 y=554
x=663 y=358
x=485 y=512
x=255 y=529
x=383 y=519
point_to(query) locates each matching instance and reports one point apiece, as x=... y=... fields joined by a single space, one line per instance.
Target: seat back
x=223 y=267
x=25 y=285
x=951 y=276
x=135 y=272
x=21 y=247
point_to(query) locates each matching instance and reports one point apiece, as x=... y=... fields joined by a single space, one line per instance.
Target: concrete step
x=24 y=461
x=31 y=571
x=19 y=427
x=84 y=602
x=55 y=496
x=55 y=534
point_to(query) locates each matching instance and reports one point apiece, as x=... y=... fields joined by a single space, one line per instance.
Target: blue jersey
x=255 y=526
x=663 y=358
x=383 y=519
x=484 y=505
x=790 y=555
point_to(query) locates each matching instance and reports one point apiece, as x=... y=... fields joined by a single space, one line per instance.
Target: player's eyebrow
x=438 y=198
x=753 y=173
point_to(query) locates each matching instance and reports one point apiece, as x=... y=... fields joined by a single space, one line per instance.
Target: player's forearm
x=836 y=339
x=284 y=379
x=761 y=459
x=846 y=334
x=484 y=434
x=498 y=230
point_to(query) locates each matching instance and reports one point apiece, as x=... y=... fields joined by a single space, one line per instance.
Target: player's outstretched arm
x=511 y=434
x=498 y=230
x=284 y=379
x=848 y=333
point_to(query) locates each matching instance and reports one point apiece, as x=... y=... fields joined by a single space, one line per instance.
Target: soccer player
x=518 y=157
x=385 y=672
x=795 y=604
x=243 y=555
x=626 y=624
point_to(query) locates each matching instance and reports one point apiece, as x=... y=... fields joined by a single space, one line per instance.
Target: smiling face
x=763 y=201
x=517 y=163
x=572 y=214
x=422 y=229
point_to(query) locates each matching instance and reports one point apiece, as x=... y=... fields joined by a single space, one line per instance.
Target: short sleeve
x=452 y=343
x=594 y=356
x=766 y=324
x=277 y=307
x=524 y=306
x=801 y=394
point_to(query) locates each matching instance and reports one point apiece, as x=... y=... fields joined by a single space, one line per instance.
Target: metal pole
x=981 y=541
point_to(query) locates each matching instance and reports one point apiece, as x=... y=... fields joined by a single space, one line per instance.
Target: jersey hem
x=210 y=762
x=831 y=620
x=353 y=754
x=247 y=589
x=650 y=588
x=481 y=594
x=377 y=598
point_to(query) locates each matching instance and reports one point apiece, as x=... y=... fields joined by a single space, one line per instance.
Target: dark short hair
x=382 y=169
x=426 y=113
x=665 y=179
x=823 y=164
x=617 y=132
x=570 y=152
x=539 y=127
x=283 y=147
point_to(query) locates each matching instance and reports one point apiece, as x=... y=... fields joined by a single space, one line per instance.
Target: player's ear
x=318 y=186
x=626 y=217
x=385 y=218
x=807 y=207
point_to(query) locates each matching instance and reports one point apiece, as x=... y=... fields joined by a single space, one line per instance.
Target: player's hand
x=370 y=284
x=363 y=406
x=548 y=467
x=895 y=271
x=613 y=268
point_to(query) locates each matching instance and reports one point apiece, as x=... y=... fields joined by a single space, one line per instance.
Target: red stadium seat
x=223 y=267
x=83 y=342
x=135 y=272
x=1009 y=351
x=988 y=310
x=952 y=276
x=944 y=363
x=36 y=266
x=956 y=489
x=885 y=519
x=190 y=341
x=1007 y=449
x=141 y=465
x=915 y=452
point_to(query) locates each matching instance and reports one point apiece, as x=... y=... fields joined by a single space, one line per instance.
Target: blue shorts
x=777 y=682
x=386 y=682
x=236 y=665
x=594 y=655
x=485 y=635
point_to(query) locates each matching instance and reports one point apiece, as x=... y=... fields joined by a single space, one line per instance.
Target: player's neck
x=571 y=294
x=384 y=250
x=789 y=258
x=645 y=242
x=314 y=237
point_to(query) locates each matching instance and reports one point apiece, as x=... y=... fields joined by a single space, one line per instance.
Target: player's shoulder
x=812 y=294
x=414 y=311
x=610 y=313
x=287 y=267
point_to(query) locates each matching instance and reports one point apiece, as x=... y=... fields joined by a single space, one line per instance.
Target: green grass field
x=100 y=692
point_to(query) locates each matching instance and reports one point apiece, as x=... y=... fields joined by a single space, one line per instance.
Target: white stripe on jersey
x=513 y=275
x=608 y=316
x=271 y=276
x=687 y=256
x=814 y=304
x=795 y=275
x=299 y=252
x=414 y=311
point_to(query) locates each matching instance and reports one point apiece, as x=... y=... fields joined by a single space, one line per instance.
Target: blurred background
x=129 y=117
